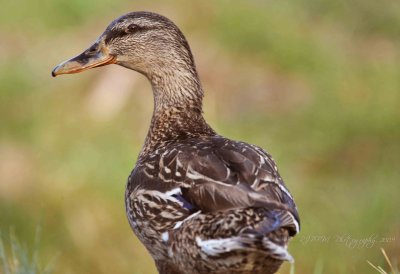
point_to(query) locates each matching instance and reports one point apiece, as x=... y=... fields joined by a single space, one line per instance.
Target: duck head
x=143 y=41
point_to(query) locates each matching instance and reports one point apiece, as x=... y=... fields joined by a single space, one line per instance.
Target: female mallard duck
x=199 y=202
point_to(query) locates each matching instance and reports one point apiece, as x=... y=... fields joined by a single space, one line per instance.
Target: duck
x=199 y=202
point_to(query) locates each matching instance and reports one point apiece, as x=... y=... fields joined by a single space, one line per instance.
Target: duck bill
x=83 y=61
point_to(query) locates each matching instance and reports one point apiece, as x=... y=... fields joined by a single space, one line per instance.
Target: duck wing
x=221 y=174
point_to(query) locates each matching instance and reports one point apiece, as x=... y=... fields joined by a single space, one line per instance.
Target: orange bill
x=90 y=58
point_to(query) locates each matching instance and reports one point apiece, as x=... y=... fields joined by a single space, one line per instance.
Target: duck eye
x=132 y=28
x=92 y=50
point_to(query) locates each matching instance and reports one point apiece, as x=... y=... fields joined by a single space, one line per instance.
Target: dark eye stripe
x=116 y=33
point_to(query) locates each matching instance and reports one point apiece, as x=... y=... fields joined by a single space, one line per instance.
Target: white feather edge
x=215 y=247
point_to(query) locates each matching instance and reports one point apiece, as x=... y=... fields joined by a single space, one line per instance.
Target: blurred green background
x=315 y=83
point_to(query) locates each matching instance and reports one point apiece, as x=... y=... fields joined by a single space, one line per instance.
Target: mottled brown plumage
x=199 y=202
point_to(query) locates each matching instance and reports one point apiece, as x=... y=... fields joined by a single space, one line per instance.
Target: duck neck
x=177 y=111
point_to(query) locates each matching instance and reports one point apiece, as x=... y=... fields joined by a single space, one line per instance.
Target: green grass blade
x=3 y=257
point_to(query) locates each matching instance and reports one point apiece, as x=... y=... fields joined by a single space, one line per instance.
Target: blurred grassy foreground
x=316 y=83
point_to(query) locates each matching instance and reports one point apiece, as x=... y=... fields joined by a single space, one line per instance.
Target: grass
x=318 y=269
x=18 y=258
x=393 y=269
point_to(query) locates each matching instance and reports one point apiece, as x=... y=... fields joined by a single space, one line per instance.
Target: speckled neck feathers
x=178 y=99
